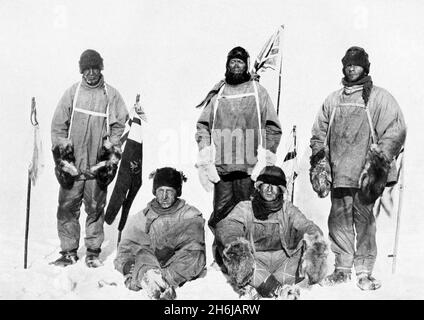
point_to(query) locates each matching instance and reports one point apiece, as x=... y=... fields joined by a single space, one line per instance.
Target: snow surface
x=172 y=52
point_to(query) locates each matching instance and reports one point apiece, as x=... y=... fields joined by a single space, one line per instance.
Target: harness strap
x=92 y=113
x=351 y=104
x=235 y=96
x=73 y=108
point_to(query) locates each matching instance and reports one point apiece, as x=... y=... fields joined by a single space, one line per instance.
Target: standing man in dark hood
x=357 y=134
x=86 y=129
x=238 y=122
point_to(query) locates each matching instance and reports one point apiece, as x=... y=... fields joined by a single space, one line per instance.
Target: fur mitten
x=106 y=169
x=265 y=158
x=206 y=169
x=314 y=265
x=320 y=174
x=65 y=170
x=156 y=286
x=240 y=263
x=373 y=178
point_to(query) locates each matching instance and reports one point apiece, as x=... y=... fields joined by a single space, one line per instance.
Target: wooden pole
x=401 y=189
x=27 y=221
x=295 y=155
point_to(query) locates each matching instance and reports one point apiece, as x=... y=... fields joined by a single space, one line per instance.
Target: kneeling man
x=164 y=245
x=267 y=245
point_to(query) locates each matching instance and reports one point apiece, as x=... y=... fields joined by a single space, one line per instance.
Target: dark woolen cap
x=90 y=59
x=239 y=53
x=358 y=57
x=168 y=177
x=273 y=175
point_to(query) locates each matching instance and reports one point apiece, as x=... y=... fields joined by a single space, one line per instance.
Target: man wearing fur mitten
x=357 y=134
x=164 y=245
x=238 y=133
x=86 y=129
x=267 y=245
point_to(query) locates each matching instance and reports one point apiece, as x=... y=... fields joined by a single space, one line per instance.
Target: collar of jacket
x=353 y=89
x=156 y=208
x=98 y=85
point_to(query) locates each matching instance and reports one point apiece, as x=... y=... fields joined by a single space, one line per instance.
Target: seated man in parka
x=164 y=245
x=268 y=245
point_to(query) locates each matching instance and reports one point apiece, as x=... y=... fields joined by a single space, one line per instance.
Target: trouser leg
x=68 y=213
x=341 y=230
x=94 y=202
x=366 y=246
x=223 y=201
x=228 y=192
x=263 y=262
x=285 y=269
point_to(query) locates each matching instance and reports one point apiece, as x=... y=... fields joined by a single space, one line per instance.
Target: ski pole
x=401 y=189
x=34 y=122
x=295 y=154
x=27 y=220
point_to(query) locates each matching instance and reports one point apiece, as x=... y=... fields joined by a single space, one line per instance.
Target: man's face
x=352 y=72
x=91 y=76
x=237 y=66
x=269 y=191
x=166 y=196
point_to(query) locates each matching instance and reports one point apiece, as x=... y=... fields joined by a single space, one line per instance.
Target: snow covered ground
x=172 y=52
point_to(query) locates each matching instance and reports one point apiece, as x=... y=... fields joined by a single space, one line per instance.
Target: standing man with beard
x=237 y=120
x=357 y=134
x=86 y=130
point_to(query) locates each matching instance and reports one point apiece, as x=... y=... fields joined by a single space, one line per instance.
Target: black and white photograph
x=237 y=150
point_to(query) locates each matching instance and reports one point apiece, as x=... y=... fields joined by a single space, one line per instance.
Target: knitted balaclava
x=358 y=57
x=273 y=175
x=243 y=55
x=90 y=59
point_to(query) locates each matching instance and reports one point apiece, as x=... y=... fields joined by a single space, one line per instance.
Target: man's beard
x=236 y=78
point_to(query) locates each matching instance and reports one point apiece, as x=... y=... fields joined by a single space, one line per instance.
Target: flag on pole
x=290 y=163
x=129 y=177
x=270 y=55
x=36 y=164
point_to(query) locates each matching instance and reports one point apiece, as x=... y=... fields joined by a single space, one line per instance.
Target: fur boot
x=240 y=263
x=105 y=170
x=314 y=265
x=373 y=178
x=65 y=170
x=320 y=174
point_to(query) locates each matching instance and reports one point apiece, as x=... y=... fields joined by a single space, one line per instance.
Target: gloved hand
x=206 y=169
x=129 y=280
x=240 y=263
x=373 y=178
x=314 y=261
x=65 y=170
x=105 y=170
x=265 y=158
x=156 y=287
x=320 y=174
